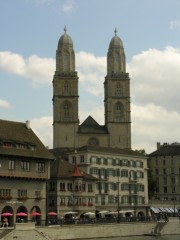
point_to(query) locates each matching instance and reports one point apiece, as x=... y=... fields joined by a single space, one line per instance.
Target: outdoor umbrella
x=21 y=214
x=52 y=214
x=35 y=214
x=6 y=214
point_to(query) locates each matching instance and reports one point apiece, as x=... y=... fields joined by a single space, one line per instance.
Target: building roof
x=167 y=150
x=91 y=126
x=110 y=150
x=63 y=169
x=115 y=42
x=65 y=40
x=23 y=141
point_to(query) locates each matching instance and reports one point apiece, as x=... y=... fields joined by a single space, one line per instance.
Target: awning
x=167 y=210
x=155 y=210
x=172 y=210
x=162 y=210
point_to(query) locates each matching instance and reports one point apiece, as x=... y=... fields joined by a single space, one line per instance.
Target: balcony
x=22 y=198
x=5 y=198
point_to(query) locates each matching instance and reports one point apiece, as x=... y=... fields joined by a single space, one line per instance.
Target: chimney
x=158 y=145
x=28 y=124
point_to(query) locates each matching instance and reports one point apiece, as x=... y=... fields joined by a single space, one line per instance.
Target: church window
x=119 y=111
x=66 y=88
x=66 y=110
x=118 y=90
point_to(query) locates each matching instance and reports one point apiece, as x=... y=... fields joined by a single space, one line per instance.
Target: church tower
x=65 y=95
x=117 y=96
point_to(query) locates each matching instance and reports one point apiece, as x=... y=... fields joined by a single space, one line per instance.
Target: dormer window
x=7 y=144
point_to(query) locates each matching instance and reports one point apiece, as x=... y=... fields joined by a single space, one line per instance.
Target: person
x=5 y=222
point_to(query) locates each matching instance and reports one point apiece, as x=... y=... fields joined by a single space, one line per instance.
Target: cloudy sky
x=150 y=31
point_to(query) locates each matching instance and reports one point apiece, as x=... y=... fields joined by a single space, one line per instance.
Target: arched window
x=66 y=110
x=118 y=90
x=66 y=88
x=119 y=112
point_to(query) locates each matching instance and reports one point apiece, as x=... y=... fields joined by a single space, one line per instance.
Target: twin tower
x=68 y=133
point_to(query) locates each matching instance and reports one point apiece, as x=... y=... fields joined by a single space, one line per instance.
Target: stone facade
x=164 y=164
x=117 y=129
x=24 y=171
x=113 y=169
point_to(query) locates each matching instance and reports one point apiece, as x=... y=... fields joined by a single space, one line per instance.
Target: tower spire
x=65 y=29
x=115 y=31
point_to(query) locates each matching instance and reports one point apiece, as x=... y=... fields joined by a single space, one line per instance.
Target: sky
x=150 y=31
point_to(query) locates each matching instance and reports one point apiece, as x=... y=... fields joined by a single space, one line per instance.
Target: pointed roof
x=76 y=171
x=91 y=126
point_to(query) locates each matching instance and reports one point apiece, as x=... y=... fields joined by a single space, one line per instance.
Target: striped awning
x=155 y=210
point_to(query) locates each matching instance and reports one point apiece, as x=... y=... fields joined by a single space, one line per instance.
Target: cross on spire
x=115 y=31
x=65 y=29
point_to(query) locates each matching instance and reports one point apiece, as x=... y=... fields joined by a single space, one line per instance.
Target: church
x=67 y=130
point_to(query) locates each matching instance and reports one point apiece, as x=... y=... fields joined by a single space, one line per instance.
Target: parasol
x=52 y=214
x=35 y=214
x=6 y=214
x=21 y=214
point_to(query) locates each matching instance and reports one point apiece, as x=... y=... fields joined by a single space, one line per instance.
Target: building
x=68 y=133
x=103 y=151
x=121 y=177
x=164 y=164
x=70 y=189
x=24 y=171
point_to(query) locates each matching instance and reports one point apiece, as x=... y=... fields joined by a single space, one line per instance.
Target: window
x=73 y=159
x=69 y=187
x=11 y=164
x=156 y=171
x=124 y=162
x=125 y=199
x=66 y=88
x=37 y=193
x=111 y=199
x=5 y=192
x=90 y=188
x=110 y=172
x=124 y=173
x=94 y=171
x=139 y=174
x=62 y=201
x=62 y=186
x=118 y=90
x=139 y=164
x=83 y=187
x=22 y=193
x=119 y=111
x=25 y=166
x=40 y=167
x=52 y=186
x=125 y=187
x=7 y=144
x=165 y=189
x=81 y=158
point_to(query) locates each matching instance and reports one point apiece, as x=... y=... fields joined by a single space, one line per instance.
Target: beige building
x=24 y=171
x=120 y=173
x=117 y=129
x=70 y=189
x=164 y=164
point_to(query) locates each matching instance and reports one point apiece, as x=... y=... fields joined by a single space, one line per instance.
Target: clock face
x=93 y=142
